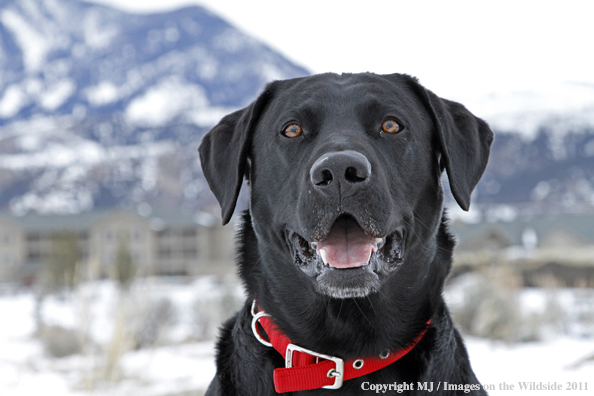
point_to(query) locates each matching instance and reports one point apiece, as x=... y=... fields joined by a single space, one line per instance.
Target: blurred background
x=114 y=270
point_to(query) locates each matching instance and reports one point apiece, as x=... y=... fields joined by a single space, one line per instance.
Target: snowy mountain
x=558 y=107
x=542 y=159
x=100 y=108
x=549 y=172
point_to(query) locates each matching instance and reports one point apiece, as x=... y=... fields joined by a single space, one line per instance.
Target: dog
x=344 y=248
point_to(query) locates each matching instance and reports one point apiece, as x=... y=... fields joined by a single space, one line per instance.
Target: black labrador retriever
x=344 y=249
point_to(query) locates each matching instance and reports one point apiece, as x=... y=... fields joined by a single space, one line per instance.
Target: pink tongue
x=346 y=246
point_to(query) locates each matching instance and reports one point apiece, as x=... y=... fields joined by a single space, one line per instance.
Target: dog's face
x=344 y=176
x=341 y=169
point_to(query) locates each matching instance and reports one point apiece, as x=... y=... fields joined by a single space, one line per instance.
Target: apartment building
x=162 y=243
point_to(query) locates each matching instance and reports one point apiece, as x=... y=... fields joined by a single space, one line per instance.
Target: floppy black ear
x=224 y=151
x=465 y=141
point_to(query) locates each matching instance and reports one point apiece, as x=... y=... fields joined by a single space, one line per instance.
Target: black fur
x=402 y=199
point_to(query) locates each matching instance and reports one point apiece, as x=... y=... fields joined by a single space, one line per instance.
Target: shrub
x=152 y=321
x=486 y=310
x=60 y=342
x=210 y=311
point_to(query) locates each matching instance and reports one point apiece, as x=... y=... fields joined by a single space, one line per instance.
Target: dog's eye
x=292 y=131
x=391 y=126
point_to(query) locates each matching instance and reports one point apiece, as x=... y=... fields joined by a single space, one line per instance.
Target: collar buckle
x=337 y=373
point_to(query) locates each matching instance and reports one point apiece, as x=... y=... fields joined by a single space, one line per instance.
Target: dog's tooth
x=379 y=243
x=323 y=253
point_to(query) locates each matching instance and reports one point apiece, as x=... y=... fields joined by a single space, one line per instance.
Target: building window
x=137 y=235
x=138 y=257
x=108 y=258
x=164 y=233
x=190 y=253
x=33 y=255
x=189 y=233
x=164 y=253
x=33 y=237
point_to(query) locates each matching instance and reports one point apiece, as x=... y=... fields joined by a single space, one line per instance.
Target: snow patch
x=270 y=72
x=33 y=44
x=472 y=216
x=208 y=66
x=210 y=116
x=58 y=201
x=55 y=154
x=17 y=96
x=57 y=94
x=541 y=191
x=13 y=100
x=231 y=41
x=170 y=98
x=171 y=34
x=97 y=34
x=29 y=143
x=102 y=94
x=559 y=107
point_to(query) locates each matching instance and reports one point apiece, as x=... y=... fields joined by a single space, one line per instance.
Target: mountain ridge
x=101 y=108
x=110 y=111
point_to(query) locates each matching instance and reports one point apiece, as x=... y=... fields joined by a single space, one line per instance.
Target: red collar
x=305 y=369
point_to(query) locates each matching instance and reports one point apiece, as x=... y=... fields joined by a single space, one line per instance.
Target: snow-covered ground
x=557 y=361
x=108 y=364
x=179 y=358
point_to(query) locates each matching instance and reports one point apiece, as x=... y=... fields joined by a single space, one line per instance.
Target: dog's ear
x=464 y=139
x=224 y=153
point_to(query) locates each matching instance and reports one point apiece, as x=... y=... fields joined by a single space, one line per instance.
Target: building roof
x=34 y=222
x=579 y=225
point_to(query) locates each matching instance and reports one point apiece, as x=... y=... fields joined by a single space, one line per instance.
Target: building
x=542 y=250
x=569 y=237
x=12 y=247
x=163 y=243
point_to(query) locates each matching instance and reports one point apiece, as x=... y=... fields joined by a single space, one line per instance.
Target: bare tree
x=63 y=263
x=125 y=268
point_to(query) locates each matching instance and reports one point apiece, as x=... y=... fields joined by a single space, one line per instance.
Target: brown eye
x=391 y=126
x=292 y=130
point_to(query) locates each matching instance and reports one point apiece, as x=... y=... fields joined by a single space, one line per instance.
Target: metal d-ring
x=256 y=317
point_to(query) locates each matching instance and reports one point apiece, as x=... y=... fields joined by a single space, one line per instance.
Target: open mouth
x=348 y=262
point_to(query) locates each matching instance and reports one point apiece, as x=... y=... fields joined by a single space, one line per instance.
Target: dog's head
x=344 y=174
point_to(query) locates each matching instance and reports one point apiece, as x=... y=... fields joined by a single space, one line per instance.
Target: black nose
x=340 y=172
